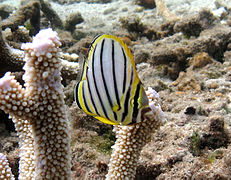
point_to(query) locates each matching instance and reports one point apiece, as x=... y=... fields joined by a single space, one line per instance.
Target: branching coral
x=131 y=139
x=26 y=144
x=5 y=171
x=29 y=11
x=38 y=112
x=40 y=105
x=14 y=59
x=164 y=11
x=8 y=60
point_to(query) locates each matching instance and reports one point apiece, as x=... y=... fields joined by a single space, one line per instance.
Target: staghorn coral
x=8 y=60
x=29 y=11
x=164 y=11
x=50 y=14
x=5 y=171
x=26 y=144
x=41 y=105
x=14 y=59
x=132 y=138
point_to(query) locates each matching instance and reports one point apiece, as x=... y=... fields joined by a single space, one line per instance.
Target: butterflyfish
x=109 y=88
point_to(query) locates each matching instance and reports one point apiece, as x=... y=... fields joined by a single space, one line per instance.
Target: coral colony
x=5 y=170
x=38 y=111
x=131 y=139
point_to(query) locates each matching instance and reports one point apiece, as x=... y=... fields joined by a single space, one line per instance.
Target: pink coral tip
x=45 y=39
x=5 y=81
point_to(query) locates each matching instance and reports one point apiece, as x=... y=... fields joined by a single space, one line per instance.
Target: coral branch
x=131 y=139
x=41 y=103
x=164 y=11
x=14 y=59
x=8 y=59
x=26 y=145
x=29 y=11
x=5 y=170
x=50 y=14
x=13 y=101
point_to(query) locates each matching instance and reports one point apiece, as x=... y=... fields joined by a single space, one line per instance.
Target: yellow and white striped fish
x=110 y=89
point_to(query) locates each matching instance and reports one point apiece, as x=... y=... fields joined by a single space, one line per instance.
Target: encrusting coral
x=40 y=105
x=132 y=138
x=5 y=171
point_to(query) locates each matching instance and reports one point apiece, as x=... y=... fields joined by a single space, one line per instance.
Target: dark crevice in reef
x=6 y=123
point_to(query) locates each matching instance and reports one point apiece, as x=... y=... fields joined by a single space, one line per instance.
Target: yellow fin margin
x=106 y=121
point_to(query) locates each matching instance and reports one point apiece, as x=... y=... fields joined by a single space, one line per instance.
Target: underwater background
x=181 y=48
